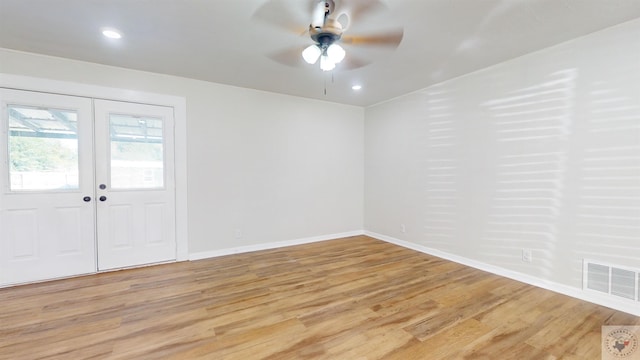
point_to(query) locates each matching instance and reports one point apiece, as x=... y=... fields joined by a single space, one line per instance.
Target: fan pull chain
x=325 y=83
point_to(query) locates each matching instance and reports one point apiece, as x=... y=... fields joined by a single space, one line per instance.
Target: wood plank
x=351 y=298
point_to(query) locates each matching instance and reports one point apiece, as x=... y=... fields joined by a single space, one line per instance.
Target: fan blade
x=289 y=16
x=352 y=62
x=343 y=20
x=388 y=38
x=357 y=9
x=360 y=8
x=290 y=57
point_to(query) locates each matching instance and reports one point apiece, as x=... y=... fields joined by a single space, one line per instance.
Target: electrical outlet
x=238 y=233
x=403 y=228
x=527 y=255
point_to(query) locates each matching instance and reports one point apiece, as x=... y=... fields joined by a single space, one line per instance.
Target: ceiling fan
x=328 y=26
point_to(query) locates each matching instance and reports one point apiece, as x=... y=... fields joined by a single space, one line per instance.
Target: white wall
x=276 y=167
x=540 y=152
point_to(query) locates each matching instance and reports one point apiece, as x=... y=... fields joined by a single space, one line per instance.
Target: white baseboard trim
x=628 y=307
x=271 y=245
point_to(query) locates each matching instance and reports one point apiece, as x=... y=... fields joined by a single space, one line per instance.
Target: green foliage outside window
x=136 y=151
x=40 y=154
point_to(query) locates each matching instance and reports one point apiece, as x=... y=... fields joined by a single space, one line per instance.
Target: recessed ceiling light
x=356 y=87
x=111 y=34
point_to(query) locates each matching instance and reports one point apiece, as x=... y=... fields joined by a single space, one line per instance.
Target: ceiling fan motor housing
x=328 y=34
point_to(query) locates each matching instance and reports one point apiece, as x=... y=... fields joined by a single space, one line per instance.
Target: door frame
x=178 y=104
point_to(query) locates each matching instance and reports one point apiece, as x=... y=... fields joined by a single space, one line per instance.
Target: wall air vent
x=619 y=281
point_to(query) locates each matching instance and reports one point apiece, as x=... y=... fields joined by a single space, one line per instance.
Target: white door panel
x=47 y=229
x=134 y=170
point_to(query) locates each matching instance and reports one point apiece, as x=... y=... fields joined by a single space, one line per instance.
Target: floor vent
x=621 y=282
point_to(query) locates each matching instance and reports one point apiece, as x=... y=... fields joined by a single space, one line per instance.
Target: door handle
x=86 y=198
x=103 y=198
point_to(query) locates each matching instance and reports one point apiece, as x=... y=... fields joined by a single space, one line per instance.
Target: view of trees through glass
x=41 y=163
x=43 y=150
x=42 y=154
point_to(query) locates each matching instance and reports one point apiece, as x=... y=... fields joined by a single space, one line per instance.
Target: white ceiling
x=224 y=41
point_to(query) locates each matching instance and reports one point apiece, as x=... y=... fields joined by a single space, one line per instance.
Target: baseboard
x=271 y=245
x=630 y=308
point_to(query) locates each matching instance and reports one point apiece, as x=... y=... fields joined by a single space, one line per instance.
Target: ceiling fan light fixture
x=335 y=53
x=311 y=54
x=326 y=64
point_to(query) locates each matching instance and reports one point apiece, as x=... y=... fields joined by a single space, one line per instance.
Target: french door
x=135 y=184
x=85 y=185
x=46 y=166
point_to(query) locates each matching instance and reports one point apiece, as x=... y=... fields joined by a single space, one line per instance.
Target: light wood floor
x=354 y=298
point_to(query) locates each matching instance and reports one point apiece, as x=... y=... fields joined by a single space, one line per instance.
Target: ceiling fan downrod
x=320 y=13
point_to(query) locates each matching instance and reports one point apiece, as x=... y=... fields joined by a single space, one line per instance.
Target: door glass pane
x=136 y=152
x=43 y=148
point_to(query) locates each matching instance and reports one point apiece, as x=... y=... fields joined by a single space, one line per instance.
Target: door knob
x=103 y=198
x=86 y=198
x=102 y=186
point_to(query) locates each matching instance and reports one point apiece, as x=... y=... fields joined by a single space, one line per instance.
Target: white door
x=135 y=184
x=47 y=203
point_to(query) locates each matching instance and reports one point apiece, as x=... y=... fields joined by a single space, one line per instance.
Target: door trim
x=178 y=104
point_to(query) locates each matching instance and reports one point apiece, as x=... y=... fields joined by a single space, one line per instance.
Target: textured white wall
x=540 y=152
x=275 y=167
